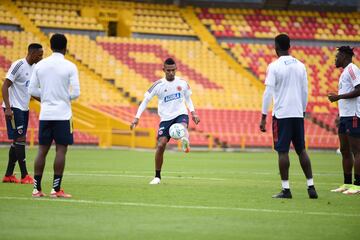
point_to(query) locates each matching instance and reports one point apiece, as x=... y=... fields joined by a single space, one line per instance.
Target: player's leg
x=39 y=166
x=9 y=174
x=346 y=154
x=354 y=140
x=282 y=138
x=185 y=141
x=63 y=136
x=159 y=158
x=298 y=140
x=20 y=144
x=45 y=141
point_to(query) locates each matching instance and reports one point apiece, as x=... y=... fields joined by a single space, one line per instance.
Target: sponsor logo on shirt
x=172 y=97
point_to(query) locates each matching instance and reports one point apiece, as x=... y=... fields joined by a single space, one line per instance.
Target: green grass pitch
x=202 y=196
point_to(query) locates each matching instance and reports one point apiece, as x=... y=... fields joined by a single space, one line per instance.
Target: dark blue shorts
x=165 y=125
x=350 y=126
x=60 y=131
x=17 y=126
x=288 y=130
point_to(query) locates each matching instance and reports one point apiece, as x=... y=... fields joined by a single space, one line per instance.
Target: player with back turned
x=286 y=82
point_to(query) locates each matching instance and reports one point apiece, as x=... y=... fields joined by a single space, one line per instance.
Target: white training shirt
x=56 y=81
x=171 y=98
x=288 y=78
x=19 y=74
x=349 y=78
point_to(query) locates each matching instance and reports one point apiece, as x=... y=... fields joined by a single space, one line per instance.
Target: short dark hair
x=283 y=42
x=169 y=61
x=34 y=46
x=58 y=41
x=347 y=50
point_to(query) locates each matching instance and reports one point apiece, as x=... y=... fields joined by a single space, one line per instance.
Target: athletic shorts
x=17 y=126
x=60 y=131
x=165 y=125
x=286 y=131
x=350 y=126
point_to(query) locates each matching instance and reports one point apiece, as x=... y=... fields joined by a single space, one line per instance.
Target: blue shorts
x=17 y=126
x=288 y=130
x=350 y=126
x=165 y=125
x=60 y=131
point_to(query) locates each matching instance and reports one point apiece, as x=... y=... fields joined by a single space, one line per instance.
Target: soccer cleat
x=156 y=180
x=27 y=180
x=185 y=144
x=352 y=190
x=10 y=179
x=312 y=192
x=285 y=193
x=59 y=194
x=342 y=188
x=37 y=194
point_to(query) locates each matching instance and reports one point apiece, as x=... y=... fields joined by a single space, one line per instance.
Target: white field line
x=102 y=174
x=228 y=172
x=194 y=207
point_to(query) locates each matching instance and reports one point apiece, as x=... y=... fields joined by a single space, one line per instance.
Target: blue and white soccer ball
x=177 y=131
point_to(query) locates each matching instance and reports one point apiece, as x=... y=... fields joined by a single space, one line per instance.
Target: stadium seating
x=6 y=17
x=249 y=23
x=58 y=15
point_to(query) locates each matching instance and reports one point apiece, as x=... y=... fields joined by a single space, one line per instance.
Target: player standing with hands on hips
x=286 y=82
x=172 y=92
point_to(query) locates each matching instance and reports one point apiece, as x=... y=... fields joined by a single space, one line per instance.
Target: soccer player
x=16 y=109
x=55 y=81
x=172 y=92
x=349 y=126
x=286 y=82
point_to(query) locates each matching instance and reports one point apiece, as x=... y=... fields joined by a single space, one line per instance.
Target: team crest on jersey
x=179 y=88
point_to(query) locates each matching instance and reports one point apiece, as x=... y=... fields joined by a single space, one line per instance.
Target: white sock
x=285 y=184
x=310 y=182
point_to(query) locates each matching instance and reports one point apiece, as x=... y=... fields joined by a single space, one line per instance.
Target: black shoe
x=285 y=193
x=312 y=192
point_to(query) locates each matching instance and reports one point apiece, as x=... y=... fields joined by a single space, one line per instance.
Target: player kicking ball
x=172 y=92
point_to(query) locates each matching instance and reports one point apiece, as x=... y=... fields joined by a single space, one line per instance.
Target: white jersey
x=288 y=77
x=19 y=74
x=171 y=97
x=349 y=78
x=56 y=81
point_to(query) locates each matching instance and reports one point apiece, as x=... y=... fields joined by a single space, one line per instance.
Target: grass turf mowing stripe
x=139 y=204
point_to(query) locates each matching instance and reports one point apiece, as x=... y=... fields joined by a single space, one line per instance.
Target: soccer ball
x=177 y=131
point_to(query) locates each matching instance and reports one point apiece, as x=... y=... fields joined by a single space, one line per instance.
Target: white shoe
x=156 y=180
x=185 y=144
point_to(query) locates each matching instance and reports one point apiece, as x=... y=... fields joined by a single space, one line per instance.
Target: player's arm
x=267 y=97
x=305 y=92
x=140 y=110
x=190 y=106
x=74 y=84
x=5 y=93
x=354 y=74
x=34 y=89
x=333 y=97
